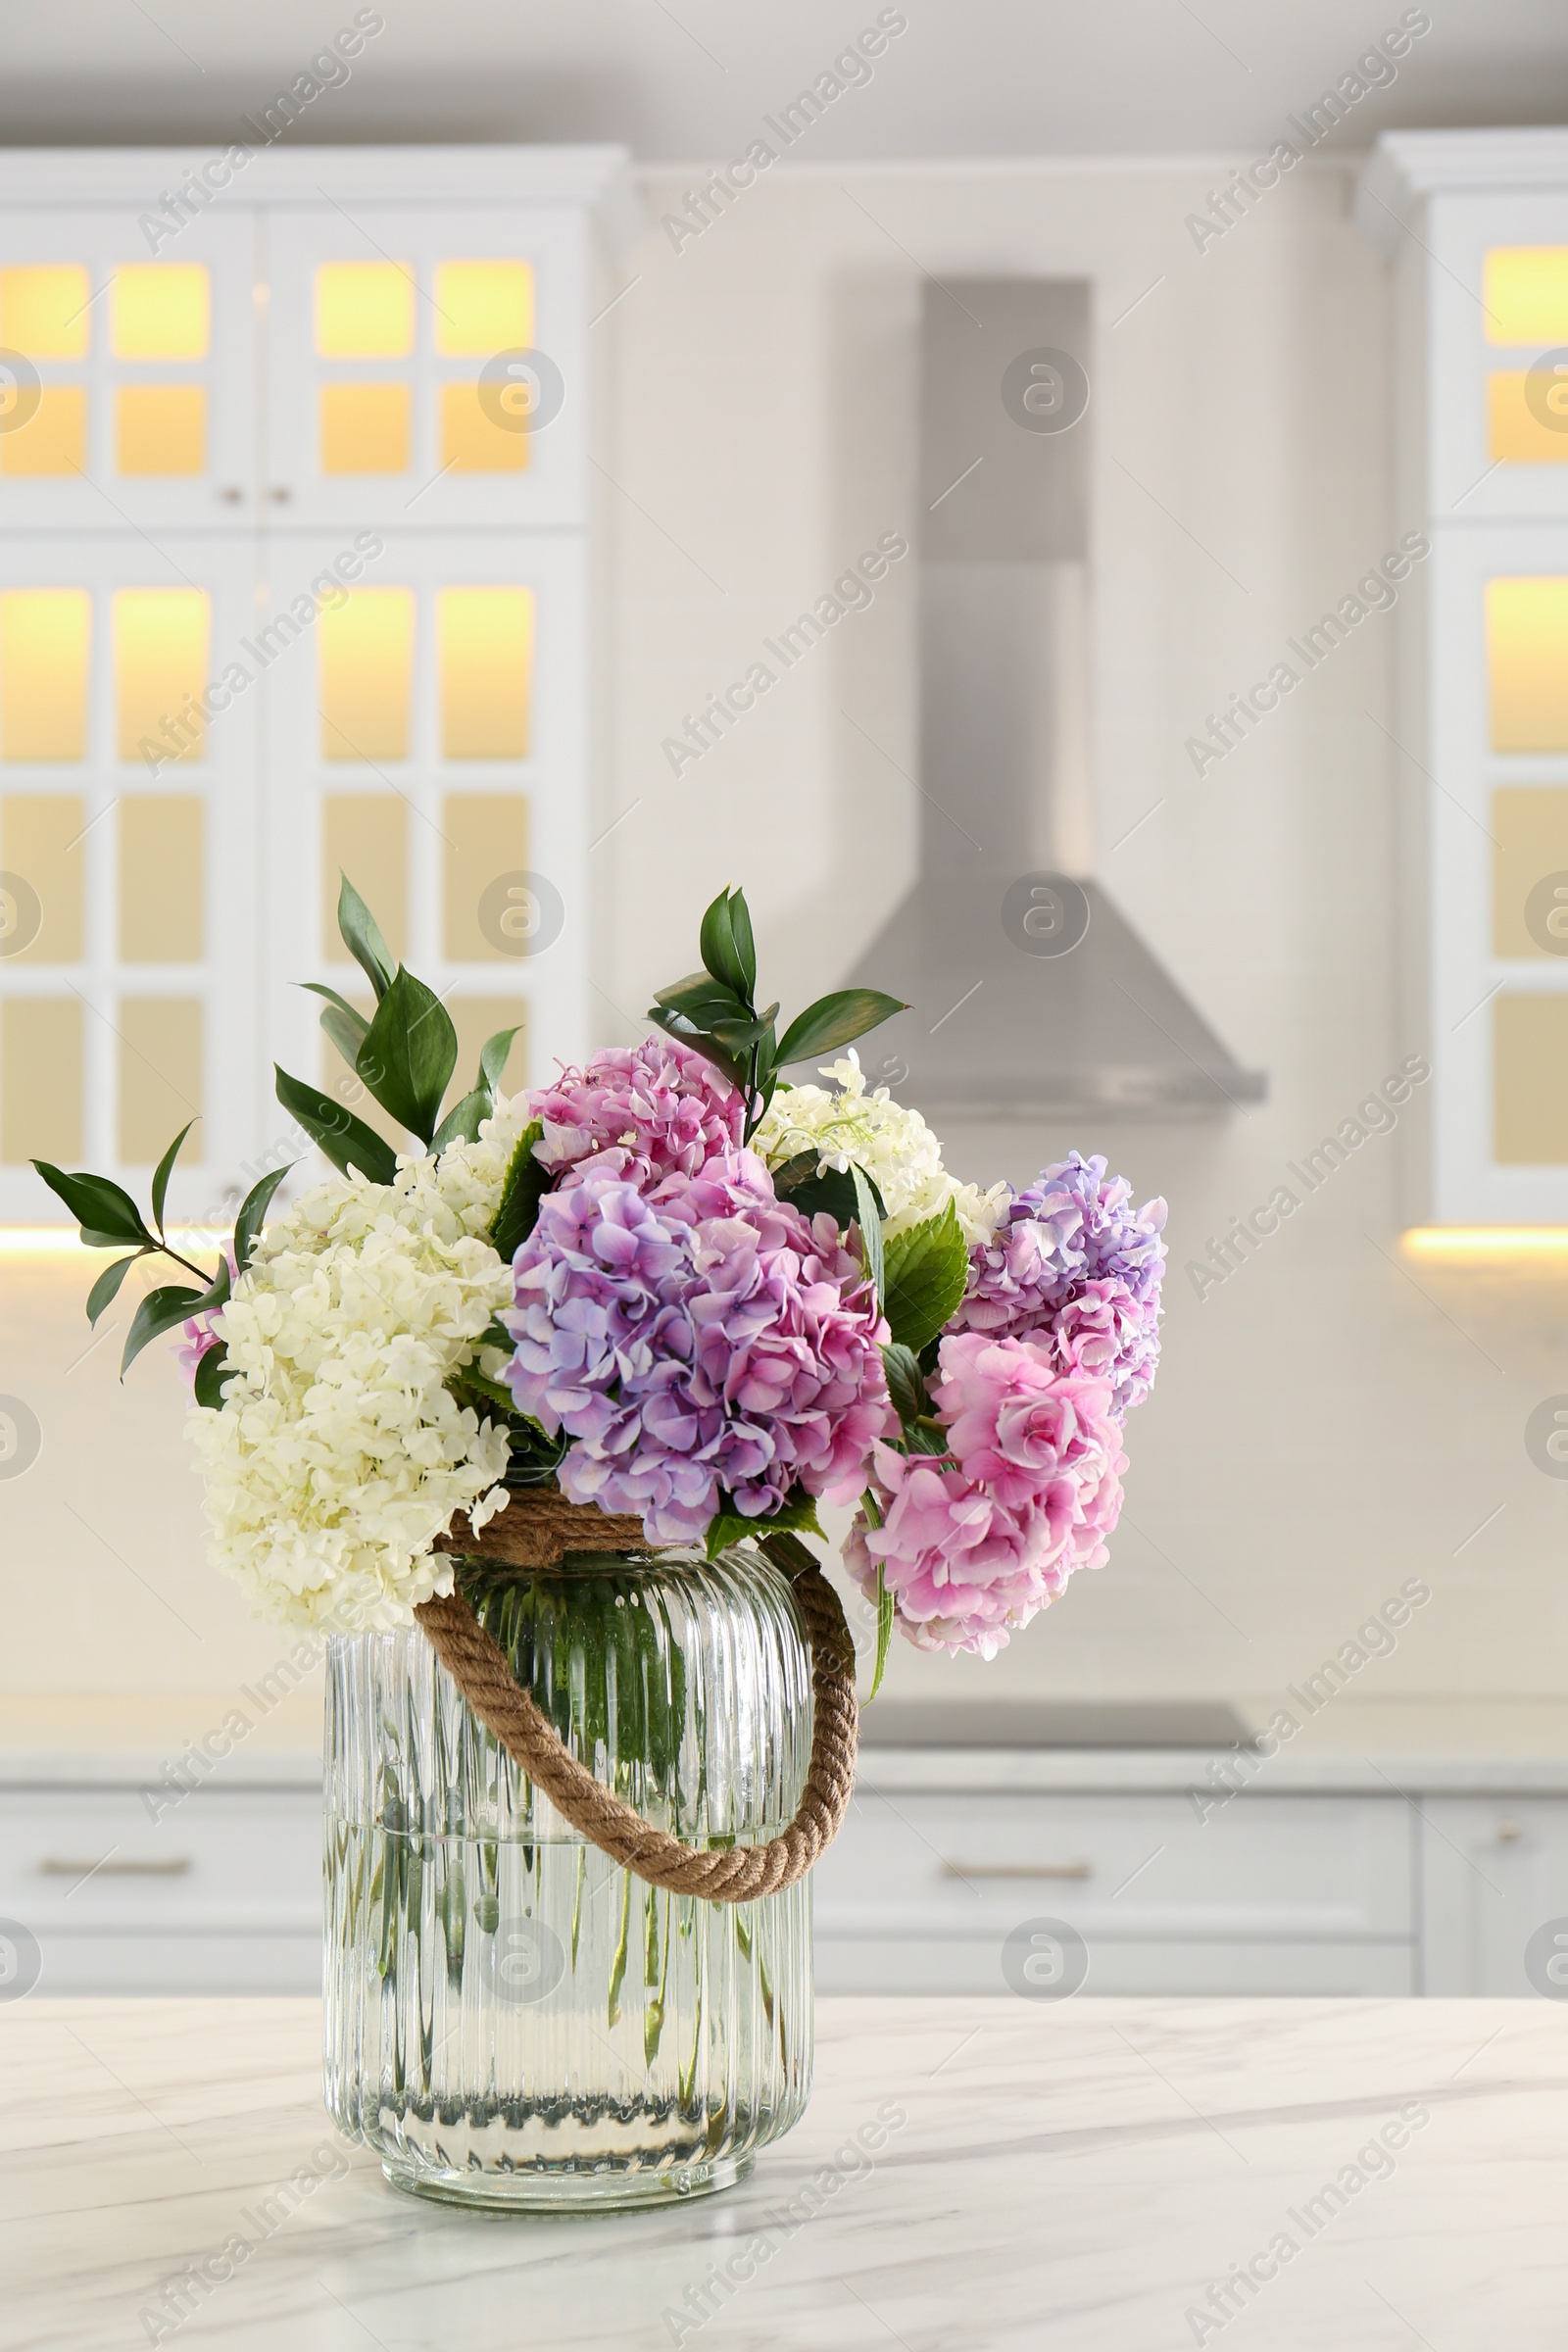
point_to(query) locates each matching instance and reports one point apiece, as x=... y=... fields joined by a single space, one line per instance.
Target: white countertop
x=1420 y=1748
x=1080 y=2176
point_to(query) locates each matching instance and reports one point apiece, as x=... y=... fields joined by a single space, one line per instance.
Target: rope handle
x=478 y=1666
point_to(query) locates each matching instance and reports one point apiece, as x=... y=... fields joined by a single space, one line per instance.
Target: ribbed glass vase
x=512 y=2018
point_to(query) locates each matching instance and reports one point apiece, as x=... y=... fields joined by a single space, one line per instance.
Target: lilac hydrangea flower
x=697 y=1339
x=659 y=1102
x=1116 y=1240
x=1074 y=1267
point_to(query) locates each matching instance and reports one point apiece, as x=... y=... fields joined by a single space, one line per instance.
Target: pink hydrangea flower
x=1104 y=1331
x=659 y=1102
x=201 y=1332
x=971 y=1544
x=699 y=1341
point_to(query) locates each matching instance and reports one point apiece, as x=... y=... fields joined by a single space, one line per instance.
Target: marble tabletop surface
x=1088 y=2176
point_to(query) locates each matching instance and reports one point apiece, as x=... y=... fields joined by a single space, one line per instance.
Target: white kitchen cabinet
x=382 y=413
x=135 y=402
x=1476 y=226
x=1330 y=1887
x=1494 y=1894
x=275 y=483
x=931 y=1963
x=1268 y=1894
x=136 y=1007
x=431 y=813
x=219 y=1894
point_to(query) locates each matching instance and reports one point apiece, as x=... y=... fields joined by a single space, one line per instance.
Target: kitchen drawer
x=1135 y=1865
x=871 y=1964
x=77 y=1861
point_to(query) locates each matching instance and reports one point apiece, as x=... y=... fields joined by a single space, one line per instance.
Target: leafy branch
x=110 y=1219
x=714 y=1011
x=404 y=1056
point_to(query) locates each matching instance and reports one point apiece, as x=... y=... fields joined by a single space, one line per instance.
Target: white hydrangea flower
x=339 y=1455
x=893 y=1145
x=468 y=1177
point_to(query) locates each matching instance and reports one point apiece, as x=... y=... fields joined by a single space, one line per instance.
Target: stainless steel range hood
x=1007 y=1020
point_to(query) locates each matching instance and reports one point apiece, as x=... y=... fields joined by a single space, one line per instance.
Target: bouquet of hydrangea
x=672 y=1282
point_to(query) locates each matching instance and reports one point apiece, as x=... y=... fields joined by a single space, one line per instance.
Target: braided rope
x=539 y=1530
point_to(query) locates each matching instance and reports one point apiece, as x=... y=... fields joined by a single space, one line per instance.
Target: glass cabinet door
x=126 y=375
x=426 y=738
x=128 y=861
x=1496 y=390
x=424 y=368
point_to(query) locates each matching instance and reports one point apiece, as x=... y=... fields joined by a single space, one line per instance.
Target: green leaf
x=159 y=1311
x=108 y=1216
x=252 y=1212
x=364 y=939
x=835 y=1020
x=726 y=1527
x=408 y=1053
x=740 y=1033
x=345 y=1139
x=796 y=1513
x=868 y=1217
x=884 y=1632
x=211 y=1373
x=926 y=1270
x=493 y=1057
x=472 y=1382
x=461 y=1122
x=343 y=1024
x=906 y=1385
x=352 y=1012
x=162 y=1171
x=675 y=1024
x=834 y=1190
x=523 y=1187
x=703 y=1002
x=719 y=952
x=347 y=1038
x=740 y=926
x=106 y=1290
x=792 y=1172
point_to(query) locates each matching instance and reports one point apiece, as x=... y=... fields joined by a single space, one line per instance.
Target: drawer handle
x=1017 y=1870
x=57 y=1867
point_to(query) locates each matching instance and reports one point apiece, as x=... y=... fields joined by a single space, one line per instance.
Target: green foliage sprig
x=714 y=1011
x=404 y=1055
x=109 y=1218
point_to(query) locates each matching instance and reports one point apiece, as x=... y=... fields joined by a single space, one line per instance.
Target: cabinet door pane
x=470 y=842
x=143 y=405
x=129 y=830
x=389 y=397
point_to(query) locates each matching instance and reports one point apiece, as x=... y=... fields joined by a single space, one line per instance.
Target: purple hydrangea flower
x=697 y=1340
x=1074 y=1267
x=1115 y=1240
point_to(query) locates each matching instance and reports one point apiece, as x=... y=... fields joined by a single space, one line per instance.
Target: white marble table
x=1074 y=2176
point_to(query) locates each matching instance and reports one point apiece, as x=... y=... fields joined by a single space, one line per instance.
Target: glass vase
x=510 y=2017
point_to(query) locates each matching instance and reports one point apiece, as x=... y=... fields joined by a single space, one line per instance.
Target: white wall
x=1329 y=1421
